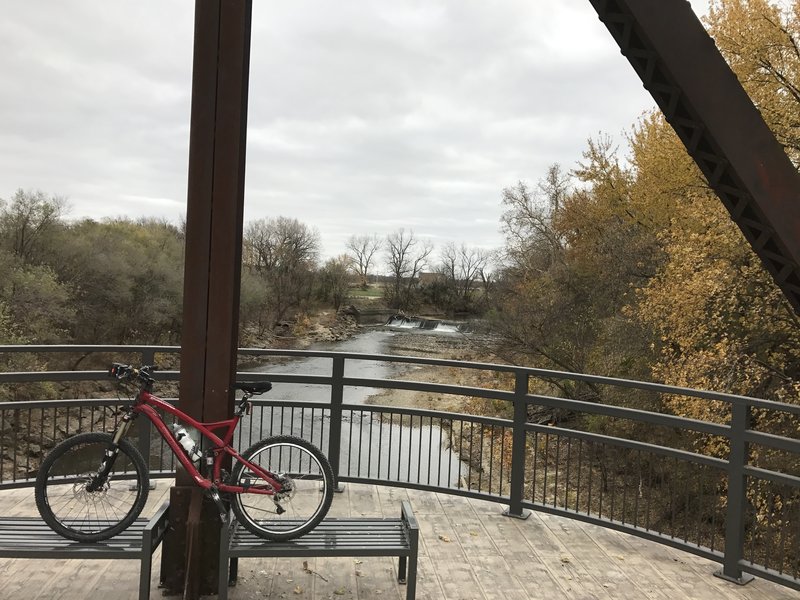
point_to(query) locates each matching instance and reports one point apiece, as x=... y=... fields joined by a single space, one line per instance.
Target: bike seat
x=253 y=387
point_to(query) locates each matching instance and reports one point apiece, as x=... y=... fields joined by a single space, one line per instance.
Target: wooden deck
x=468 y=550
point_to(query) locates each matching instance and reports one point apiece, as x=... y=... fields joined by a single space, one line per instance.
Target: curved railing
x=615 y=464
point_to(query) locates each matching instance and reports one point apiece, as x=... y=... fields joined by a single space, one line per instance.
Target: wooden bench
x=30 y=537
x=350 y=537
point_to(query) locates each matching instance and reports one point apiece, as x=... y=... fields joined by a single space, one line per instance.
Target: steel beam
x=212 y=273
x=215 y=208
x=715 y=119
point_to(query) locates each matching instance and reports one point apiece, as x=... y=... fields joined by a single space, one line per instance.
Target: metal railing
x=615 y=464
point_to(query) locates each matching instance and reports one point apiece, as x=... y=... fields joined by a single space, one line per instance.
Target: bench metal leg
x=408 y=567
x=401 y=570
x=233 y=574
x=144 y=574
x=411 y=580
x=152 y=536
x=228 y=565
x=224 y=545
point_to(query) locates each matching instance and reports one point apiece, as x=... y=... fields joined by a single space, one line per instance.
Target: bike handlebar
x=122 y=372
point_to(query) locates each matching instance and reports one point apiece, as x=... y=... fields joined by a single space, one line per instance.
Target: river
x=375 y=444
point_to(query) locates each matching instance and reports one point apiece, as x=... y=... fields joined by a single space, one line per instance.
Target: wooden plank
x=524 y=563
x=497 y=580
x=429 y=586
x=341 y=579
x=362 y=500
x=375 y=578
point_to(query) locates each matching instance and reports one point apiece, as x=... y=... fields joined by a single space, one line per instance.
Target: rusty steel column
x=715 y=119
x=212 y=272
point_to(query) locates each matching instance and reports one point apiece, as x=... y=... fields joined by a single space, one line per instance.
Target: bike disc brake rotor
x=81 y=491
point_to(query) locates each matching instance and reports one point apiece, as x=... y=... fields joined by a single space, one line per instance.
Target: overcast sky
x=364 y=116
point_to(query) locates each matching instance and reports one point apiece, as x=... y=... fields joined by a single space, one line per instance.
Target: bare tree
x=528 y=221
x=462 y=266
x=284 y=252
x=406 y=257
x=362 y=249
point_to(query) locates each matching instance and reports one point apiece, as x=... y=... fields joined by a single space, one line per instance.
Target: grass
x=371 y=292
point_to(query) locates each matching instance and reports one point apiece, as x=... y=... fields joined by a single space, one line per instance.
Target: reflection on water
x=395 y=451
x=374 y=445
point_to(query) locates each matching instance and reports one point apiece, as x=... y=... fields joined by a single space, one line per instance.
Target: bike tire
x=312 y=480
x=77 y=514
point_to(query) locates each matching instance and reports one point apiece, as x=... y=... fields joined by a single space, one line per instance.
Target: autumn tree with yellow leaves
x=638 y=271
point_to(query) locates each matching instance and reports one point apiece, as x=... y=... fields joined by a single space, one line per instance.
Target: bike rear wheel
x=69 y=504
x=308 y=478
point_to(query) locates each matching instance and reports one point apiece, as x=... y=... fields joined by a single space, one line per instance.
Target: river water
x=374 y=444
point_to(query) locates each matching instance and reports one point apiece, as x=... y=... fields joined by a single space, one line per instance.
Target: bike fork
x=110 y=456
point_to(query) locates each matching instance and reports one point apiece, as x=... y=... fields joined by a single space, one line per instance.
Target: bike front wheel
x=307 y=480
x=75 y=504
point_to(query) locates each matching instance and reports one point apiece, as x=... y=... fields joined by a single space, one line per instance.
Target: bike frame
x=146 y=404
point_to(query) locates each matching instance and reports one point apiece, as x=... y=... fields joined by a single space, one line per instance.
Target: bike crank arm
x=213 y=493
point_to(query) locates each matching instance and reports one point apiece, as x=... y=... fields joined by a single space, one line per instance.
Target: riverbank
x=463 y=347
x=477 y=446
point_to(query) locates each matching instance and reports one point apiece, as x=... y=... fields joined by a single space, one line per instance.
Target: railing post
x=518 y=448
x=737 y=498
x=335 y=434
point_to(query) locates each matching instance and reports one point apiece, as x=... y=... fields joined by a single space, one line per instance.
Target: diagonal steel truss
x=724 y=133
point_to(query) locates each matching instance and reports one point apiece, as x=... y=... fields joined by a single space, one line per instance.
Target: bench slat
x=345 y=537
x=30 y=537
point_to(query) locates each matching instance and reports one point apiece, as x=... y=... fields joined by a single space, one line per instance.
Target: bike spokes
x=303 y=496
x=80 y=502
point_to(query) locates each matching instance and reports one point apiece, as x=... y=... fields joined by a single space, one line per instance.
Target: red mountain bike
x=92 y=486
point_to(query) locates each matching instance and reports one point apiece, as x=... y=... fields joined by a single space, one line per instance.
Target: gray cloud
x=364 y=116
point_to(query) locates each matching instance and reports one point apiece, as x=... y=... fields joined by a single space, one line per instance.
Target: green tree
x=128 y=280
x=26 y=220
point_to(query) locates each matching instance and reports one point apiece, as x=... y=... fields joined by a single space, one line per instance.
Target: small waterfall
x=432 y=325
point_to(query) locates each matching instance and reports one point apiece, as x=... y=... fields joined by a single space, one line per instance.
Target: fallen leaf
x=312 y=572
x=298 y=589
x=444 y=538
x=339 y=591
x=473 y=533
x=358 y=562
x=565 y=559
